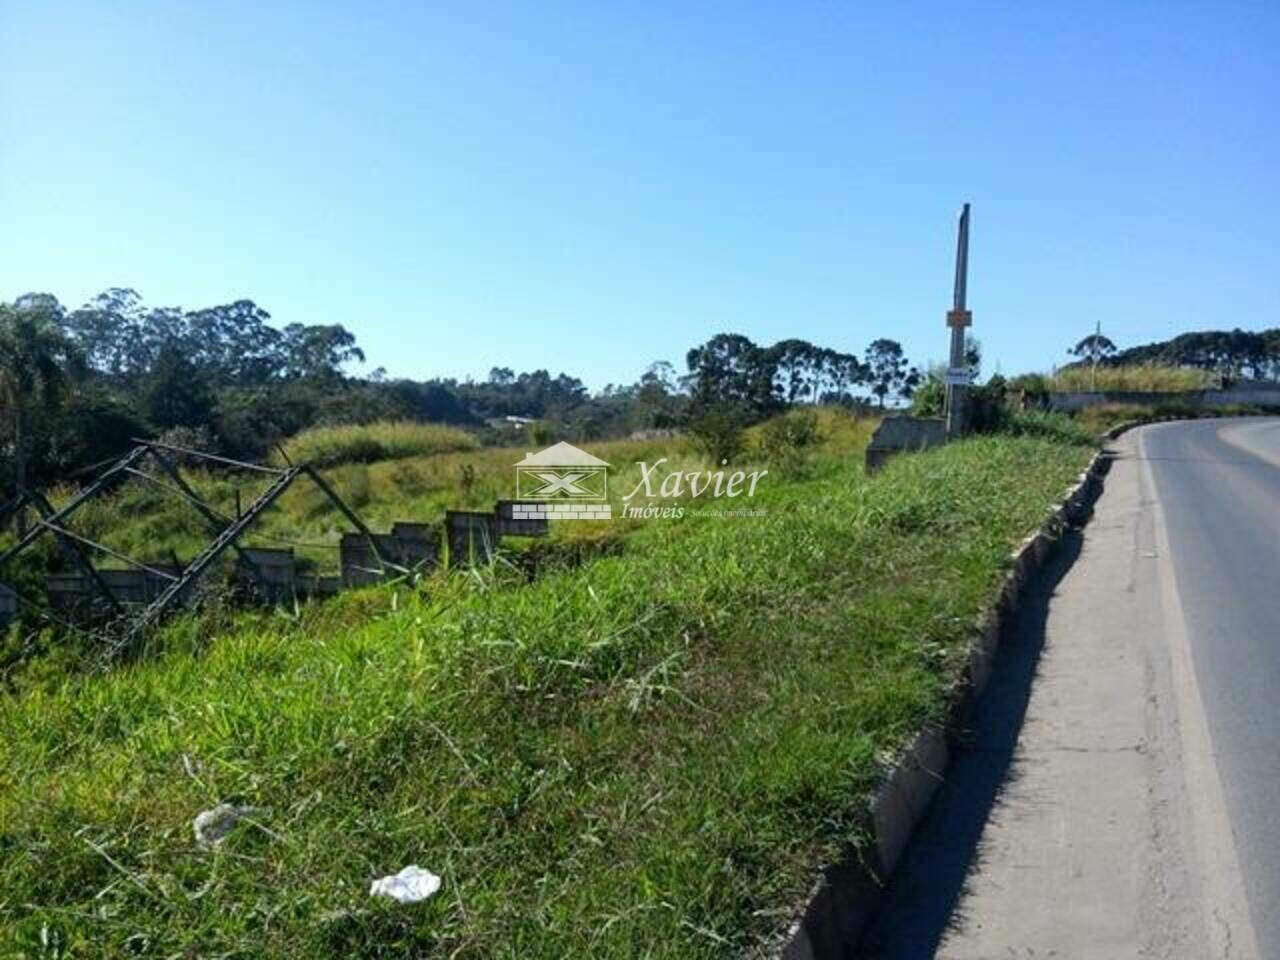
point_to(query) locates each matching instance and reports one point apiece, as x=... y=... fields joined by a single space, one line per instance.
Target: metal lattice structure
x=125 y=627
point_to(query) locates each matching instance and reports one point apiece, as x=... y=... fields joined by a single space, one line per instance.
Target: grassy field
x=149 y=523
x=368 y=443
x=648 y=756
x=1141 y=378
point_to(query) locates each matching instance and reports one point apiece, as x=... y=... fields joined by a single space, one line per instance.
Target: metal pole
x=1097 y=335
x=210 y=456
x=958 y=319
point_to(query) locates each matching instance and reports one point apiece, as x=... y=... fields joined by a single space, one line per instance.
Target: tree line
x=1235 y=354
x=76 y=386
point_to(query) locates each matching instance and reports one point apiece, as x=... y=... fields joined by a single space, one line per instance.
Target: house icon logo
x=562 y=483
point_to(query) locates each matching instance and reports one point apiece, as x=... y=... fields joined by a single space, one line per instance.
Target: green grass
x=1139 y=378
x=648 y=756
x=150 y=524
x=367 y=443
x=1100 y=418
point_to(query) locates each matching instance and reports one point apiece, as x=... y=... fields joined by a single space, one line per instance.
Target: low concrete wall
x=830 y=924
x=1259 y=395
x=903 y=433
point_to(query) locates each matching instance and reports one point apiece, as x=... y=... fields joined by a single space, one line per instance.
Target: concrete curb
x=846 y=895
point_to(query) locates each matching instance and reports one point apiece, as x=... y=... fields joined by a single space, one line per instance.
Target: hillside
x=649 y=754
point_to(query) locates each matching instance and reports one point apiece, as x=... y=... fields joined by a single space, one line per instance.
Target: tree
x=973 y=355
x=655 y=399
x=888 y=372
x=794 y=367
x=1096 y=346
x=731 y=371
x=318 y=352
x=37 y=363
x=175 y=393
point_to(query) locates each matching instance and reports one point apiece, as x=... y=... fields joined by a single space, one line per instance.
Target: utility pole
x=1097 y=337
x=959 y=319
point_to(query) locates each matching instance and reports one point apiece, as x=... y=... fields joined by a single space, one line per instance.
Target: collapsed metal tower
x=178 y=581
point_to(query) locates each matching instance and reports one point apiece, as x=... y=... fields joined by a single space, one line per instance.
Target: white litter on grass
x=212 y=826
x=410 y=885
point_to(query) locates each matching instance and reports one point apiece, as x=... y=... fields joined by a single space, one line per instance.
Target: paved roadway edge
x=1228 y=927
x=845 y=897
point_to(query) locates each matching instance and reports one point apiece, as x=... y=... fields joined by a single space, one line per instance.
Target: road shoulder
x=1067 y=827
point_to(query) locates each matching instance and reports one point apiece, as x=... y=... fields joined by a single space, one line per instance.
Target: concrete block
x=127 y=586
x=904 y=797
x=275 y=567
x=473 y=536
x=360 y=563
x=521 y=519
x=417 y=545
x=898 y=434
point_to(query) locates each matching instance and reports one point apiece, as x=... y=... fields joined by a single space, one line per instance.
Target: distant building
x=510 y=422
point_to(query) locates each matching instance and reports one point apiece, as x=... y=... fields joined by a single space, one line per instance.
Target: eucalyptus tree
x=37 y=364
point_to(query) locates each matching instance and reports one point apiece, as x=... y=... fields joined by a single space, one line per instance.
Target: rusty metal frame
x=227 y=531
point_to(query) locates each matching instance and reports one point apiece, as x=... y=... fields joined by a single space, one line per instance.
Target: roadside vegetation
x=1135 y=378
x=1100 y=418
x=647 y=755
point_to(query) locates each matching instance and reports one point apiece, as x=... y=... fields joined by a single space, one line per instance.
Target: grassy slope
x=647 y=757
x=1140 y=377
x=147 y=523
x=366 y=443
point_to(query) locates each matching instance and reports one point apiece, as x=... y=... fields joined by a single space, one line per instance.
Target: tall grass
x=649 y=756
x=147 y=523
x=1137 y=378
x=383 y=440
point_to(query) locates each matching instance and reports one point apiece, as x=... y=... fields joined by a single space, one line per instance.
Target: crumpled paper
x=212 y=826
x=410 y=885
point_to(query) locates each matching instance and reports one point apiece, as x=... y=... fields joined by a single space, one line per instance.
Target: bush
x=784 y=439
x=384 y=440
x=987 y=406
x=1057 y=427
x=930 y=398
x=718 y=433
x=1029 y=390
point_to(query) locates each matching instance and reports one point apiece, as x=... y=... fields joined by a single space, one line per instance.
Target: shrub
x=987 y=405
x=784 y=439
x=1046 y=425
x=930 y=398
x=383 y=440
x=718 y=432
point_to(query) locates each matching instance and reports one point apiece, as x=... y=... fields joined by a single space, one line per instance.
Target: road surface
x=1121 y=795
x=1218 y=485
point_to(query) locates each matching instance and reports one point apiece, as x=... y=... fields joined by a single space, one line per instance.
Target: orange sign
x=959 y=318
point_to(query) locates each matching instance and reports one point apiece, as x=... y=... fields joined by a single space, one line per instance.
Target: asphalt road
x=1218 y=485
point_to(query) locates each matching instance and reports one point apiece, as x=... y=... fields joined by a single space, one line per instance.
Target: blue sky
x=593 y=186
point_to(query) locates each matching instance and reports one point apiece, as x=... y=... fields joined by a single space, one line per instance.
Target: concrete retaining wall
x=833 y=920
x=903 y=433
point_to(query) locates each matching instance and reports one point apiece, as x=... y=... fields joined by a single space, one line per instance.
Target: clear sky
x=592 y=186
